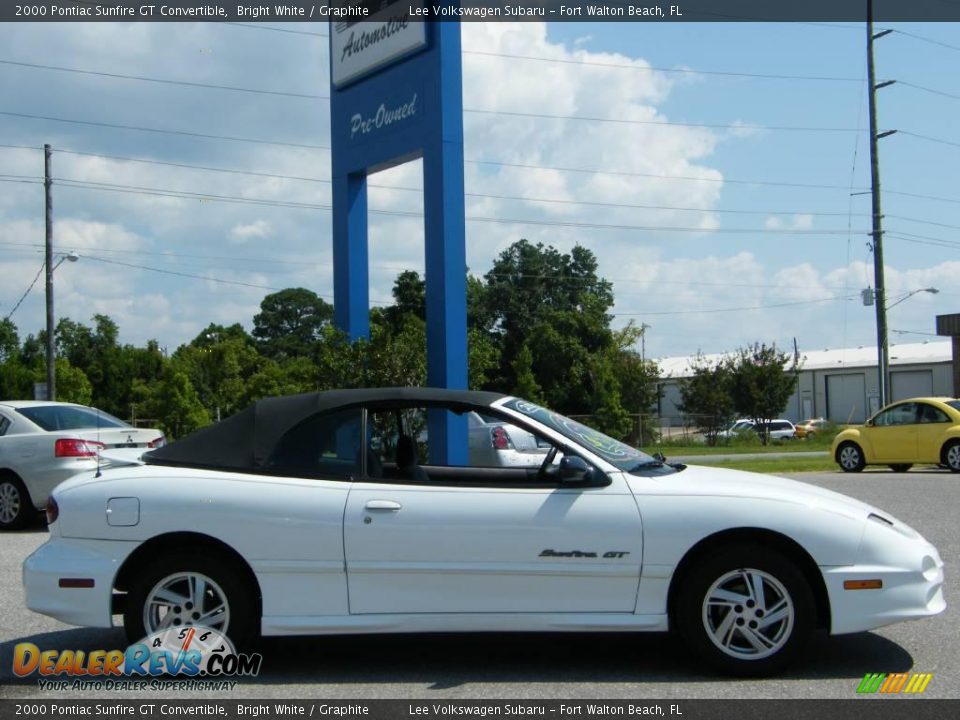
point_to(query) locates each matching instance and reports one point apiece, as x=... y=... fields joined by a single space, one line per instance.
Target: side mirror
x=574 y=470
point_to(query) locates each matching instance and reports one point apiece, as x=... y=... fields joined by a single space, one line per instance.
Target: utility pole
x=883 y=352
x=51 y=345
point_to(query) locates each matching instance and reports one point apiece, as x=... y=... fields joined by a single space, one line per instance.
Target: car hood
x=700 y=480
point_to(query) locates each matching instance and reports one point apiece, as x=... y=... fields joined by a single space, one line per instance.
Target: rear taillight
x=53 y=511
x=500 y=439
x=74 y=447
x=158 y=443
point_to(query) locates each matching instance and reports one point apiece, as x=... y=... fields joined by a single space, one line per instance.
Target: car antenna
x=98 y=444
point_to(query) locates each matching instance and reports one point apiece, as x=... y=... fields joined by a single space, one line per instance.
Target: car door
x=893 y=433
x=932 y=425
x=488 y=540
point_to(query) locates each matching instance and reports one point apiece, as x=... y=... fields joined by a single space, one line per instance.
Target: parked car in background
x=43 y=443
x=776 y=429
x=918 y=430
x=353 y=537
x=495 y=443
x=809 y=429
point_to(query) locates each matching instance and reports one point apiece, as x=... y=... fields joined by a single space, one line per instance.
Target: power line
x=163 y=81
x=772 y=183
x=925 y=222
x=589 y=171
x=132 y=189
x=179 y=274
x=929 y=90
x=928 y=138
x=927 y=40
x=27 y=291
x=666 y=123
x=199 y=167
x=651 y=68
x=400 y=268
x=275 y=29
x=115 y=126
x=933 y=243
x=735 y=309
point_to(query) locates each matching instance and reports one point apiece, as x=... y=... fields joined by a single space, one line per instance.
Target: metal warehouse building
x=840 y=385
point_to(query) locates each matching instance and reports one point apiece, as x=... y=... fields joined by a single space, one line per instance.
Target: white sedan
x=43 y=443
x=286 y=519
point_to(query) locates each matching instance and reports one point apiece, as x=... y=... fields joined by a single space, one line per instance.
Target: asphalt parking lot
x=557 y=666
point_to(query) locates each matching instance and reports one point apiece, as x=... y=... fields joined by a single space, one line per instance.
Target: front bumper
x=910 y=569
x=65 y=558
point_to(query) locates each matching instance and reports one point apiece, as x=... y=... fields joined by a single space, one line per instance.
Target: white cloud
x=244 y=232
x=796 y=222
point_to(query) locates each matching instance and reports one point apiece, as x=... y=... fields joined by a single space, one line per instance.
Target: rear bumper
x=63 y=558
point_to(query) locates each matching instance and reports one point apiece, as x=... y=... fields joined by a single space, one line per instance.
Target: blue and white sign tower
x=397 y=95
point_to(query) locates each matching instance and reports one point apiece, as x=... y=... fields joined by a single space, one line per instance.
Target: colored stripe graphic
x=871 y=682
x=894 y=683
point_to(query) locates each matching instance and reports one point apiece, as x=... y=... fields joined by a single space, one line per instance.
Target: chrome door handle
x=388 y=505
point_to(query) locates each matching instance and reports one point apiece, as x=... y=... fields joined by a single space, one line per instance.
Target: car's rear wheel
x=746 y=610
x=951 y=455
x=903 y=467
x=850 y=457
x=16 y=507
x=186 y=590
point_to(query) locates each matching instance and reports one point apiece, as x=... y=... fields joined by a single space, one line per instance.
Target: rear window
x=955 y=404
x=68 y=417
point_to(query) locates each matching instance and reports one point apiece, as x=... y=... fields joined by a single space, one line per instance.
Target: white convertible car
x=313 y=514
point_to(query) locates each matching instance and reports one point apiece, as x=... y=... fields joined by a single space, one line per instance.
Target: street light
x=883 y=371
x=51 y=344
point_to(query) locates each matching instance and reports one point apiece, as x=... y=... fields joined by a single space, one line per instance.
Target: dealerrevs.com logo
x=198 y=657
x=894 y=683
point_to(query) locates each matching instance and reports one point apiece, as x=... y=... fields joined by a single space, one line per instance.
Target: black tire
x=224 y=587
x=850 y=457
x=951 y=455
x=902 y=467
x=730 y=637
x=16 y=507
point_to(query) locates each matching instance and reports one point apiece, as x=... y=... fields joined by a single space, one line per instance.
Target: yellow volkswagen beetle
x=918 y=430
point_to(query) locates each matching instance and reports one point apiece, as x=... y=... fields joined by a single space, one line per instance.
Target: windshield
x=613 y=451
x=69 y=417
x=955 y=404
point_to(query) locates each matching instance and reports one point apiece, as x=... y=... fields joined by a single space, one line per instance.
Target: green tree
x=218 y=372
x=706 y=397
x=556 y=305
x=9 y=340
x=761 y=382
x=175 y=404
x=290 y=322
x=638 y=380
x=526 y=385
x=72 y=384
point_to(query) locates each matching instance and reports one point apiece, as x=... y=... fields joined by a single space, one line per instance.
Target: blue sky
x=763 y=260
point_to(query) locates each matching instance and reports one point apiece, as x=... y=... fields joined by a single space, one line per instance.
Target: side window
x=398 y=448
x=905 y=414
x=4 y=425
x=325 y=445
x=927 y=414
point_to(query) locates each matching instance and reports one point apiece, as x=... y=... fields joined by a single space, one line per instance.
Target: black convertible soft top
x=244 y=441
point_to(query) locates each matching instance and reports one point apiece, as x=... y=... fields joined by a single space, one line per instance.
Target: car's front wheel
x=746 y=610
x=951 y=455
x=850 y=457
x=187 y=590
x=15 y=504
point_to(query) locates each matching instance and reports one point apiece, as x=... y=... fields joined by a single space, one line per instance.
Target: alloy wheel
x=748 y=614
x=184 y=599
x=9 y=502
